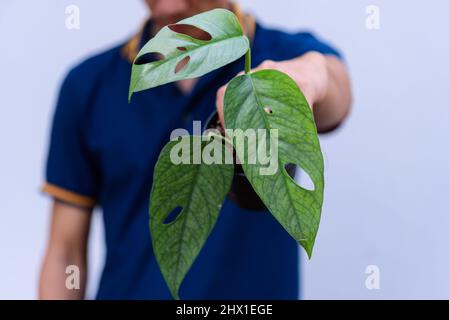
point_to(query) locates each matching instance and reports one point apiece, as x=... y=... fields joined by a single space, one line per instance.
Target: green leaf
x=228 y=44
x=198 y=189
x=269 y=99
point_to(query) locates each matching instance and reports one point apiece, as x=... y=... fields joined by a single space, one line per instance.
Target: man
x=103 y=151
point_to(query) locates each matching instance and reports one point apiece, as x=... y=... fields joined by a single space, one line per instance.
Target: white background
x=387 y=181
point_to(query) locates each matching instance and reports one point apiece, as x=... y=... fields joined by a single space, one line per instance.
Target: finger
x=309 y=98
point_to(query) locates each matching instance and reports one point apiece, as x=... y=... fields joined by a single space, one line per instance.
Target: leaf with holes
x=199 y=190
x=268 y=100
x=196 y=57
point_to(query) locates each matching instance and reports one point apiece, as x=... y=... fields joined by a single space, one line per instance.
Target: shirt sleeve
x=71 y=175
x=307 y=41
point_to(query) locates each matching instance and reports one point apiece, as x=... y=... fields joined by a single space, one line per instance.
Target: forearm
x=336 y=104
x=55 y=283
x=67 y=247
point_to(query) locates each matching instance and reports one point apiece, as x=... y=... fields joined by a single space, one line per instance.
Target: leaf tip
x=131 y=91
x=308 y=247
x=133 y=82
x=175 y=293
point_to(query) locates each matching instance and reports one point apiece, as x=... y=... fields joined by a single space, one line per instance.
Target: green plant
x=265 y=99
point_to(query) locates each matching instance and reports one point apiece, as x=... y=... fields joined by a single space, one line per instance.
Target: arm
x=67 y=246
x=333 y=105
x=324 y=81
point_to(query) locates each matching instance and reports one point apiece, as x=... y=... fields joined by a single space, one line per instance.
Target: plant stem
x=220 y=137
x=248 y=61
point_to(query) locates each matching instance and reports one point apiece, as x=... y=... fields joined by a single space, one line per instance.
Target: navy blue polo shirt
x=103 y=151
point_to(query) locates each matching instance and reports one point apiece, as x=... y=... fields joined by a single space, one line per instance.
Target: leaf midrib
x=188 y=53
x=187 y=209
x=264 y=117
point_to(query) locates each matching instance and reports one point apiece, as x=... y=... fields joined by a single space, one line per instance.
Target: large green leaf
x=198 y=189
x=267 y=100
x=228 y=44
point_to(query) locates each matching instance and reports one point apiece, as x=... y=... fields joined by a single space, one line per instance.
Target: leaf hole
x=181 y=65
x=149 y=57
x=268 y=110
x=302 y=177
x=191 y=31
x=183 y=49
x=171 y=218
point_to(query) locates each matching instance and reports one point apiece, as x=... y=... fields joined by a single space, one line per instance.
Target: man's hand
x=323 y=80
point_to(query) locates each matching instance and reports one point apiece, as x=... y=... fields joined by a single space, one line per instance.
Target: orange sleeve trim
x=68 y=196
